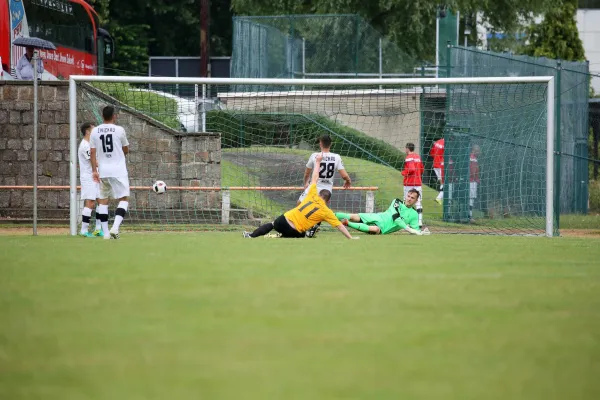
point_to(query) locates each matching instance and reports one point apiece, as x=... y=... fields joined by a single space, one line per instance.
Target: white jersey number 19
x=107 y=144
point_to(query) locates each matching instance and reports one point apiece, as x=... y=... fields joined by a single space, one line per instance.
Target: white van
x=189 y=111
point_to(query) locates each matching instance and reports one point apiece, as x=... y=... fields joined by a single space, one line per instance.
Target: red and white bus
x=72 y=25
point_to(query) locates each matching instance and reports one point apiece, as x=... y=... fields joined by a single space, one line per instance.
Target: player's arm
x=346 y=178
x=406 y=171
x=124 y=142
x=333 y=221
x=94 y=162
x=315 y=171
x=412 y=226
x=345 y=232
x=306 y=179
x=409 y=227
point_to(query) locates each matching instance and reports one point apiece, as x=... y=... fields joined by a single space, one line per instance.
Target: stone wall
x=156 y=152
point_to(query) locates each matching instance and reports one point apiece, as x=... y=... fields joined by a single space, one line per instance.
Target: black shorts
x=282 y=226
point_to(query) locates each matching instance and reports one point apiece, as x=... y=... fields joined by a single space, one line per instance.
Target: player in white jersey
x=109 y=146
x=330 y=163
x=89 y=188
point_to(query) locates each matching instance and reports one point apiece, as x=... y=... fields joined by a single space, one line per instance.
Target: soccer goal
x=235 y=151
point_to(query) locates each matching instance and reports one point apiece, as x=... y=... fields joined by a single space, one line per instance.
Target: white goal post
x=299 y=84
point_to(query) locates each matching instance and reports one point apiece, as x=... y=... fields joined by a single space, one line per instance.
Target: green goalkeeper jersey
x=398 y=217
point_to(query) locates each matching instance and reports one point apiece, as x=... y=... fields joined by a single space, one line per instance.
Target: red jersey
x=473 y=168
x=413 y=170
x=437 y=152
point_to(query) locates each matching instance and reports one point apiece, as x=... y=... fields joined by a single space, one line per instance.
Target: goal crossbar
x=550 y=113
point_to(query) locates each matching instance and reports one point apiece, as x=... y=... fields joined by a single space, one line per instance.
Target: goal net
x=234 y=151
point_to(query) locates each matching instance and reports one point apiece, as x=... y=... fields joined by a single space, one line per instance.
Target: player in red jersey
x=413 y=177
x=473 y=177
x=437 y=152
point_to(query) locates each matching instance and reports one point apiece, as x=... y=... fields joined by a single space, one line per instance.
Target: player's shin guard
x=120 y=214
x=420 y=212
x=85 y=219
x=262 y=230
x=359 y=227
x=341 y=216
x=98 y=224
x=102 y=215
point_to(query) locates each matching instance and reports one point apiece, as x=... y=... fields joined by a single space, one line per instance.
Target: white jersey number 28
x=326 y=170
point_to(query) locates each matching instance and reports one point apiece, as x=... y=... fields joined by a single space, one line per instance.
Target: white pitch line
x=499 y=275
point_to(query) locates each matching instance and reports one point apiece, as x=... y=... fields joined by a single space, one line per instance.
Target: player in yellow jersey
x=312 y=210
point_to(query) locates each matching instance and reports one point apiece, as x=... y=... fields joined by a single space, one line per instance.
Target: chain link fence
x=572 y=81
x=315 y=46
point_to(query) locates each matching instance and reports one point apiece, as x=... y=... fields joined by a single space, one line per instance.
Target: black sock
x=262 y=230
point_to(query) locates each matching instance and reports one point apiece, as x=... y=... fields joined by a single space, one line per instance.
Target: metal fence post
x=370 y=202
x=225 y=206
x=35 y=138
x=557 y=146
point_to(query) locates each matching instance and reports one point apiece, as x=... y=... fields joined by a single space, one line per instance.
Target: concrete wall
x=157 y=152
x=392 y=116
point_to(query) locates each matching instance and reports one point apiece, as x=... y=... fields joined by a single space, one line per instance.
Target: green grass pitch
x=214 y=316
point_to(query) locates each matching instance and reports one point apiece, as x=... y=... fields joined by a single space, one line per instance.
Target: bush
x=154 y=105
x=251 y=129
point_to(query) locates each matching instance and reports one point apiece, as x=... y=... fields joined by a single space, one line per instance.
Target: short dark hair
x=108 y=113
x=410 y=146
x=325 y=195
x=84 y=127
x=415 y=191
x=325 y=141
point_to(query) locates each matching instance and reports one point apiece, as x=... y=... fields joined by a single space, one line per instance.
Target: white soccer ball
x=159 y=187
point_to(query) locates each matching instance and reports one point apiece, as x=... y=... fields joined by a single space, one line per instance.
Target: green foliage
x=243 y=130
x=153 y=105
x=594 y=190
x=557 y=36
x=143 y=28
x=410 y=24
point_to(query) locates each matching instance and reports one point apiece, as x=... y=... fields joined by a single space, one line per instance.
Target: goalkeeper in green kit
x=400 y=215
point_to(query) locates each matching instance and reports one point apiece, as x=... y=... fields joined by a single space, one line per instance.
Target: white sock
x=103 y=209
x=440 y=195
x=85 y=215
x=119 y=218
x=98 y=225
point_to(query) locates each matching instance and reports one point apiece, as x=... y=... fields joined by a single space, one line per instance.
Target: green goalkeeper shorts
x=371 y=219
x=384 y=222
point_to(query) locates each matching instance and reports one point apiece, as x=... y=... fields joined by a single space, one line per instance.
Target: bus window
x=62 y=23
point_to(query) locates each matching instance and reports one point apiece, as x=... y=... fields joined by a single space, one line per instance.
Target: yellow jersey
x=311 y=211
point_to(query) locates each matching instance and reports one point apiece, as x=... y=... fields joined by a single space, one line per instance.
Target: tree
x=126 y=22
x=143 y=28
x=557 y=36
x=408 y=23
